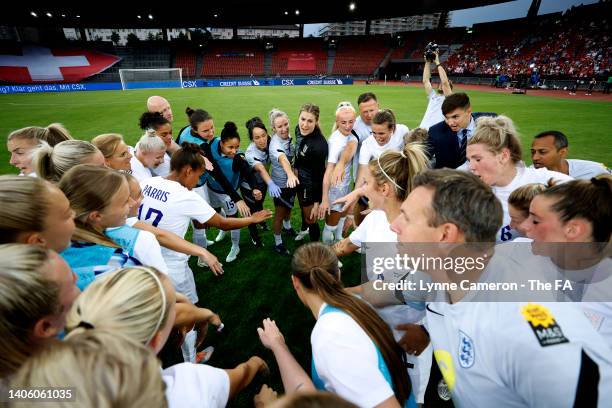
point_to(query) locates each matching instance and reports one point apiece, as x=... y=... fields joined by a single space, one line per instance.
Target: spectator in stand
x=592 y=84
x=608 y=85
x=549 y=150
x=433 y=114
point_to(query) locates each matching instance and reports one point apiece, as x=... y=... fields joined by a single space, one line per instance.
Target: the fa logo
x=467 y=353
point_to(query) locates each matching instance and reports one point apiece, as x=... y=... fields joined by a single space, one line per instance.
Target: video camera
x=430 y=51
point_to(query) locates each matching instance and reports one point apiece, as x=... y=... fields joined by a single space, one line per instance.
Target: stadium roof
x=216 y=13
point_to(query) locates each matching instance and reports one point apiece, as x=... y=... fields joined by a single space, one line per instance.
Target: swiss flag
x=35 y=64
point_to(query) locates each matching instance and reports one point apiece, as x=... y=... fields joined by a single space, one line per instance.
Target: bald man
x=161 y=105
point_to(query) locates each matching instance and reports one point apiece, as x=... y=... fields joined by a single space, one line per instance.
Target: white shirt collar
x=470 y=127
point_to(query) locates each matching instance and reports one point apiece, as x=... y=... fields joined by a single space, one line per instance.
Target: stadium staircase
x=268 y=63
x=331 y=57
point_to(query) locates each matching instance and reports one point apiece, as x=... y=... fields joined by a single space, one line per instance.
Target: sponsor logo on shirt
x=467 y=354
x=443 y=391
x=543 y=324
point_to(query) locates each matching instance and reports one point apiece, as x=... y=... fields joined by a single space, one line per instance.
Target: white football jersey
x=524 y=175
x=170 y=206
x=370 y=149
x=139 y=170
x=510 y=354
x=373 y=231
x=164 y=168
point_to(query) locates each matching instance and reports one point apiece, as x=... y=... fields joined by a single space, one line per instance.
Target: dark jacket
x=443 y=145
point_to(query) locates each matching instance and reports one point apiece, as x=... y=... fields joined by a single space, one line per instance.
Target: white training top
x=277 y=147
x=375 y=227
x=591 y=287
x=139 y=170
x=373 y=231
x=336 y=144
x=370 y=149
x=170 y=206
x=363 y=131
x=433 y=114
x=196 y=385
x=511 y=354
x=524 y=175
x=346 y=360
x=147 y=250
x=164 y=168
x=586 y=169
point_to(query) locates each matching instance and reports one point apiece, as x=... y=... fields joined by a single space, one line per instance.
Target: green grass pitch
x=257 y=284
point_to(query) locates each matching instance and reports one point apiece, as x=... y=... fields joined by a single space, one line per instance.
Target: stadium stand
x=233 y=58
x=560 y=46
x=295 y=56
x=187 y=61
x=359 y=56
x=576 y=43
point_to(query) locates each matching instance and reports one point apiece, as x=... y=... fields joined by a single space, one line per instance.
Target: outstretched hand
x=270 y=336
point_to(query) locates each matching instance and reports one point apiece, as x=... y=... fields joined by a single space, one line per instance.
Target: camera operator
x=433 y=114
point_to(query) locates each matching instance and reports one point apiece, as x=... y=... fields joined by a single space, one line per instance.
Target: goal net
x=147 y=78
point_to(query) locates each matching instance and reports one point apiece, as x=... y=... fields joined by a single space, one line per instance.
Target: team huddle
x=94 y=253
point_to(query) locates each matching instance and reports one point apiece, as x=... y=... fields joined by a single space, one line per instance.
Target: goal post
x=148 y=78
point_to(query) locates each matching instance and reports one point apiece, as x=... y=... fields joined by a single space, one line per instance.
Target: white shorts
x=183 y=280
x=336 y=193
x=217 y=200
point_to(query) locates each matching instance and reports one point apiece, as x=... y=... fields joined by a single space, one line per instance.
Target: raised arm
x=444 y=82
x=427 y=77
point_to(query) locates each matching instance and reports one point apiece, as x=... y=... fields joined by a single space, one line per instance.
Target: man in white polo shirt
x=549 y=149
x=504 y=354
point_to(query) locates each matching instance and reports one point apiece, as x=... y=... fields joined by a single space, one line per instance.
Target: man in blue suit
x=448 y=139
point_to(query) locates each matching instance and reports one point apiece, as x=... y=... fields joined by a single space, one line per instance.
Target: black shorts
x=305 y=195
x=286 y=199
